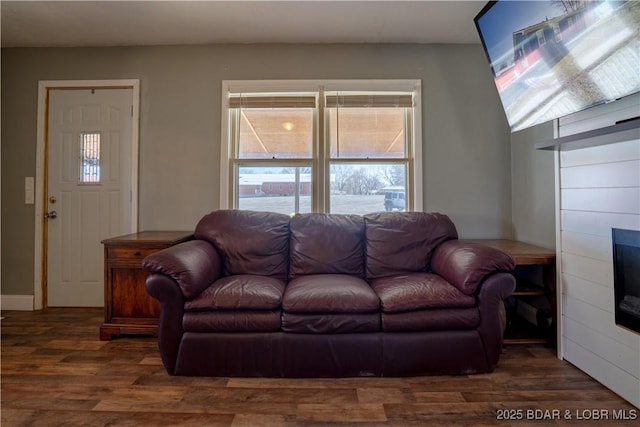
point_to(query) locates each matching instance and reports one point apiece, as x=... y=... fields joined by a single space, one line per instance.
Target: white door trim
x=43 y=90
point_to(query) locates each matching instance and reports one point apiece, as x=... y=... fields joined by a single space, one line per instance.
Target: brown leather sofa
x=328 y=295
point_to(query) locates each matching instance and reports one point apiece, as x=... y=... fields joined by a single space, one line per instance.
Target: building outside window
x=321 y=146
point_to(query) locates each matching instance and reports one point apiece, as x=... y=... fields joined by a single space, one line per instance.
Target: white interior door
x=89 y=189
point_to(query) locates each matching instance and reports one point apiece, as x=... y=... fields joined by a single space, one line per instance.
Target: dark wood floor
x=55 y=371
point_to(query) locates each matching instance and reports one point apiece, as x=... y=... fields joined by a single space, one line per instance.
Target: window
x=330 y=146
x=540 y=36
x=89 y=158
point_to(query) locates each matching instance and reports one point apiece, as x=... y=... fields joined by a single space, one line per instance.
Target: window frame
x=321 y=159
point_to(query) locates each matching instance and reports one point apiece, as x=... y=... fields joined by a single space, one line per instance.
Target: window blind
x=369 y=100
x=269 y=101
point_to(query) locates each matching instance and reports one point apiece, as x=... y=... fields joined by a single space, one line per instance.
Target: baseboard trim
x=16 y=302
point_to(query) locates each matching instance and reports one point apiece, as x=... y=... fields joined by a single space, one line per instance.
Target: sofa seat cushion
x=431 y=320
x=231 y=321
x=417 y=291
x=330 y=323
x=329 y=293
x=241 y=292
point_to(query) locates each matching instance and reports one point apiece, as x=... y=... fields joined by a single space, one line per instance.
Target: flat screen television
x=551 y=58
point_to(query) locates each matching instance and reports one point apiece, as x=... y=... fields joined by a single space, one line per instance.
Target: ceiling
x=129 y=23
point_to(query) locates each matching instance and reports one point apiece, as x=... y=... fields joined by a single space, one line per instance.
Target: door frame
x=44 y=87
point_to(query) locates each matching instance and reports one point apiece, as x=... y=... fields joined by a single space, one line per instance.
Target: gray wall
x=533 y=187
x=467 y=157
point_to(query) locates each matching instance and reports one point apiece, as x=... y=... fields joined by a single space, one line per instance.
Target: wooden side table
x=530 y=255
x=128 y=309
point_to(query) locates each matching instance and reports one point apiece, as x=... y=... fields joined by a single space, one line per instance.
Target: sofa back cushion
x=326 y=244
x=249 y=242
x=402 y=242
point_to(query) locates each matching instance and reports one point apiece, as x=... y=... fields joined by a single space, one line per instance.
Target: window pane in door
x=280 y=133
x=366 y=188
x=89 y=157
x=367 y=132
x=284 y=189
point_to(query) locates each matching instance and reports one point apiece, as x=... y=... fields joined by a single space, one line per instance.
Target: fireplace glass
x=626 y=277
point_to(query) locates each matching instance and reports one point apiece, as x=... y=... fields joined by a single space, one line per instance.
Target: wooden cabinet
x=128 y=309
x=536 y=276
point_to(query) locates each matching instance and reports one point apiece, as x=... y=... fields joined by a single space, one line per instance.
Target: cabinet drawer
x=129 y=253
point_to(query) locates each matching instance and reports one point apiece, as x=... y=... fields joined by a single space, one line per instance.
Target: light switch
x=29 y=190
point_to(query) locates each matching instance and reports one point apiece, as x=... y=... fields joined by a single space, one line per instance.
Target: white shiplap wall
x=599 y=189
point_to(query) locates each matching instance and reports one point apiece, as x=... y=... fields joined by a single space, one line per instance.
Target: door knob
x=51 y=215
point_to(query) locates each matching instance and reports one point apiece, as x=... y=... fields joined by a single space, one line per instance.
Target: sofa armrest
x=466 y=265
x=490 y=302
x=166 y=290
x=194 y=265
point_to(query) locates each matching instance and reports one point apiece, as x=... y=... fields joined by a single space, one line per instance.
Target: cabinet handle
x=138 y=253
